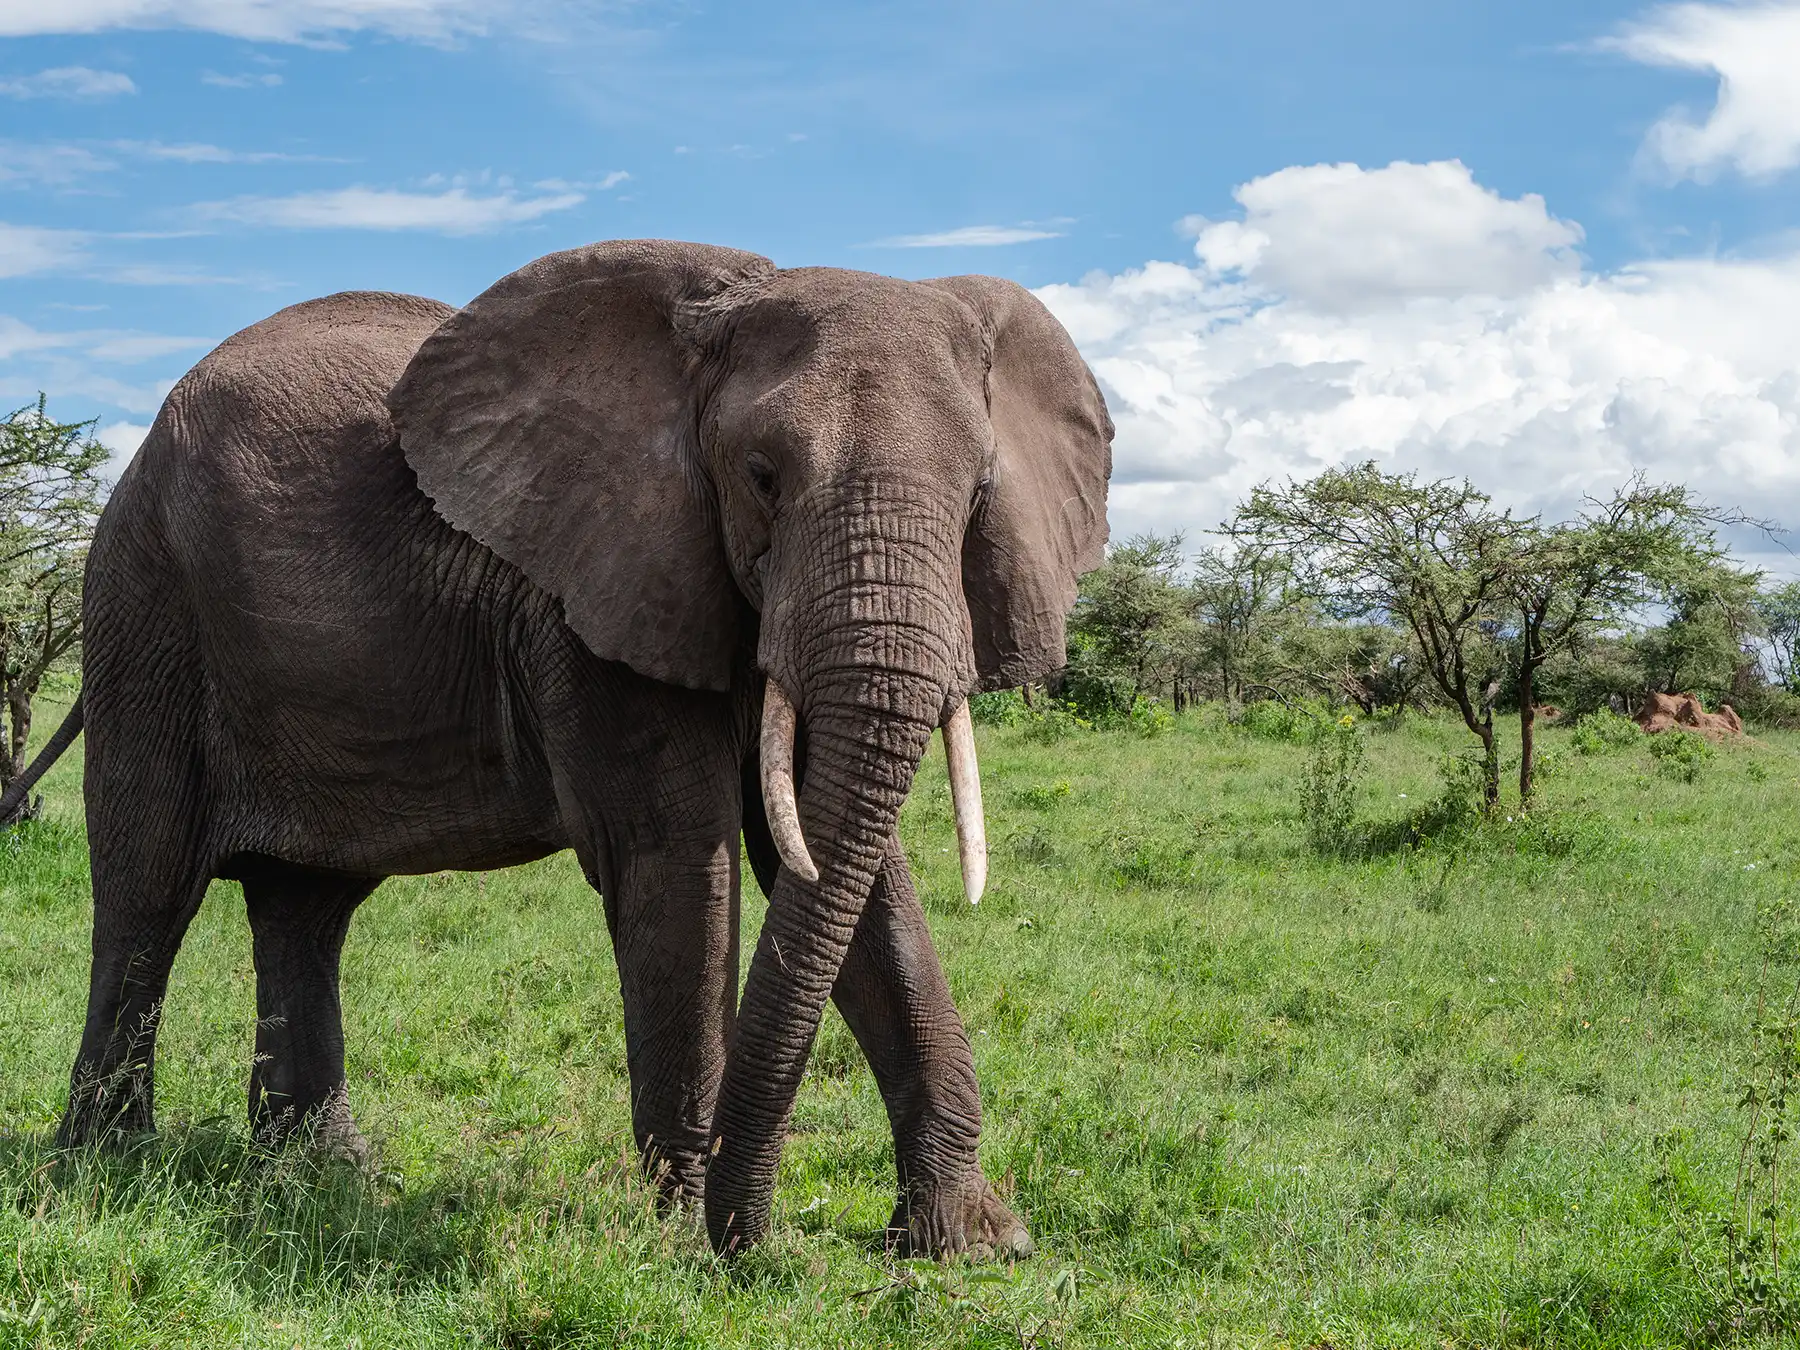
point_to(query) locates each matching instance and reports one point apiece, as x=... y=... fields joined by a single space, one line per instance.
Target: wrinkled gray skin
x=392 y=588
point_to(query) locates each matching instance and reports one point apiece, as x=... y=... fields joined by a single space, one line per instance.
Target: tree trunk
x=1490 y=763
x=1527 y=732
x=18 y=709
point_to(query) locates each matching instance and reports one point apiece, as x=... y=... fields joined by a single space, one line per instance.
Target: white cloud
x=454 y=211
x=87 y=364
x=196 y=152
x=603 y=184
x=123 y=439
x=25 y=249
x=1538 y=381
x=68 y=82
x=970 y=236
x=48 y=164
x=257 y=20
x=1754 y=49
x=267 y=80
x=1340 y=237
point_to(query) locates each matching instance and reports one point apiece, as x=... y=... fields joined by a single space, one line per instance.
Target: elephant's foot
x=961 y=1219
x=327 y=1131
x=106 y=1109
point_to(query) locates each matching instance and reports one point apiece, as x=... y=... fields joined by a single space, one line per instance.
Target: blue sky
x=1581 y=261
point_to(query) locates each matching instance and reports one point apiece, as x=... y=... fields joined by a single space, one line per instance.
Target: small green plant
x=1043 y=796
x=1759 y=1300
x=1153 y=861
x=1680 y=754
x=1603 y=731
x=1330 y=786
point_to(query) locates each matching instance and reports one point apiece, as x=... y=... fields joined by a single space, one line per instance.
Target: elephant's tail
x=13 y=800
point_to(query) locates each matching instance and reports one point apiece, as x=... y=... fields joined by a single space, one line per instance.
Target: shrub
x=1001 y=708
x=1771 y=706
x=1680 y=754
x=1149 y=717
x=1053 y=722
x=1329 y=788
x=1276 y=721
x=1604 y=731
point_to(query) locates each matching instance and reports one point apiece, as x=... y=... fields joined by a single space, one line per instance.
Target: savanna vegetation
x=1323 y=995
x=1257 y=1073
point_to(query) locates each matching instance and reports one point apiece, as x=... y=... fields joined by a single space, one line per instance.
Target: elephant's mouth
x=779 y=727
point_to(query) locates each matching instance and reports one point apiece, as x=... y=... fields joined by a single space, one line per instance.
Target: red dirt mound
x=1661 y=712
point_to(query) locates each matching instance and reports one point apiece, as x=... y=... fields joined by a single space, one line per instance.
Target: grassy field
x=1481 y=1090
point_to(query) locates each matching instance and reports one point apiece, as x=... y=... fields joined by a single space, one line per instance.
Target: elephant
x=650 y=547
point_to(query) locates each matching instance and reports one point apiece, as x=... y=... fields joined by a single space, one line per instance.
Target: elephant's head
x=902 y=479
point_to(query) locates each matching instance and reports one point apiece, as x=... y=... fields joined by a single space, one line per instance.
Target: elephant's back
x=351 y=644
x=301 y=382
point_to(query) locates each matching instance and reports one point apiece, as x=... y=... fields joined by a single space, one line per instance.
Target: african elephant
x=392 y=588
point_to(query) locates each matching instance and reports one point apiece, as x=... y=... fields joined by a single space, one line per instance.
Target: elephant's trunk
x=867 y=634
x=860 y=762
x=780 y=724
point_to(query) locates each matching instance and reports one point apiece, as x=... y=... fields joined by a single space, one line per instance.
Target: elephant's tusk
x=779 y=724
x=965 y=796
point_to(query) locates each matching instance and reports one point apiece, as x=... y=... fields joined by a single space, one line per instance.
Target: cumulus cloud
x=123 y=439
x=970 y=236
x=68 y=82
x=257 y=20
x=453 y=211
x=1753 y=49
x=1342 y=238
x=1481 y=349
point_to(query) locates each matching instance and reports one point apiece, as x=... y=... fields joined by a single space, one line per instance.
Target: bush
x=1001 y=708
x=1604 y=731
x=1680 y=754
x=1149 y=717
x=1275 y=721
x=1772 y=706
x=1052 y=723
x=1329 y=789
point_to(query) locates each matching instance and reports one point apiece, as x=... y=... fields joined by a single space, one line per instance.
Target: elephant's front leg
x=891 y=991
x=674 y=924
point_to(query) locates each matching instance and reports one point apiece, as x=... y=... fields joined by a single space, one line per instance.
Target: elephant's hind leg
x=147 y=886
x=298 y=921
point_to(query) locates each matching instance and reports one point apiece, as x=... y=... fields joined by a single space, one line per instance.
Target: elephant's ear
x=1042 y=522
x=553 y=418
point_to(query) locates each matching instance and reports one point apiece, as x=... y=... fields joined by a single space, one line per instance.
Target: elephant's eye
x=762 y=476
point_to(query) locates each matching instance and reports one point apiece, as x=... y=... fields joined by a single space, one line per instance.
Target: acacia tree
x=50 y=491
x=1231 y=596
x=1779 y=609
x=1574 y=581
x=1130 y=630
x=1434 y=557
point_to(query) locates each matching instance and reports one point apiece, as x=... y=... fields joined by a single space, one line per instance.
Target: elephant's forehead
x=826 y=313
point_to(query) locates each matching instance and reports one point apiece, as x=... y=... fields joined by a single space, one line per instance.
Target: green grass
x=1480 y=1092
